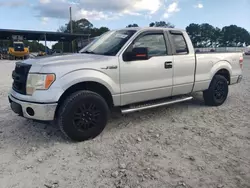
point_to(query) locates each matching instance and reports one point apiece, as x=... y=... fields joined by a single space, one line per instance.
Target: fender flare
x=89 y=75
x=220 y=65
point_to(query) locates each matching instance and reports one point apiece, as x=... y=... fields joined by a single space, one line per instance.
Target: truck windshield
x=109 y=43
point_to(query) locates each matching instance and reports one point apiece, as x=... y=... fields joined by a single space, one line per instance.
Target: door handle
x=168 y=65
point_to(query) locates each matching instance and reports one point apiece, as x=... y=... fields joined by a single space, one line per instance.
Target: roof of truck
x=152 y=28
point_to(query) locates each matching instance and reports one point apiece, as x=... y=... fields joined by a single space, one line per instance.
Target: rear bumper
x=239 y=79
x=236 y=79
x=42 y=112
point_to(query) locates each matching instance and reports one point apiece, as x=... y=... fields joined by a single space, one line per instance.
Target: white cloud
x=97 y=9
x=148 y=17
x=171 y=9
x=166 y=15
x=44 y=1
x=13 y=3
x=131 y=13
x=44 y=20
x=199 y=5
x=147 y=5
x=94 y=15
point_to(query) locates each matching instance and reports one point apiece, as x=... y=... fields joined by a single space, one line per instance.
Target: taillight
x=241 y=62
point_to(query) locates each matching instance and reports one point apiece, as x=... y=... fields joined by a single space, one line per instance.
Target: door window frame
x=176 y=32
x=161 y=32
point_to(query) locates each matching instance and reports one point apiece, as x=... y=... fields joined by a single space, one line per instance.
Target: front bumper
x=42 y=112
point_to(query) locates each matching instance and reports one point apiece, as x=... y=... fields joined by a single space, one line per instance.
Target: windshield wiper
x=88 y=52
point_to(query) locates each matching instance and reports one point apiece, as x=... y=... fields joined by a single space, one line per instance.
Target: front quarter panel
x=78 y=76
x=85 y=68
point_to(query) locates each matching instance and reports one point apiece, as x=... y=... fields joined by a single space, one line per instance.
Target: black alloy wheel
x=217 y=92
x=86 y=116
x=83 y=115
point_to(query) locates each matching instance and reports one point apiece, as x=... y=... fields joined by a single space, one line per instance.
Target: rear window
x=180 y=44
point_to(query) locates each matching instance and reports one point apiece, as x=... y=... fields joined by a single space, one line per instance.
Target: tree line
x=84 y=26
x=202 y=35
x=206 y=35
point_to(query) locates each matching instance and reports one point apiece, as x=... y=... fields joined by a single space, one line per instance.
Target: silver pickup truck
x=132 y=69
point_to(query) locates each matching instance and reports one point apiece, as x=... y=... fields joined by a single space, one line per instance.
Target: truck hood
x=68 y=59
x=63 y=64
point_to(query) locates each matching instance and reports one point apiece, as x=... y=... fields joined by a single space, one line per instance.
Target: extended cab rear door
x=142 y=80
x=184 y=62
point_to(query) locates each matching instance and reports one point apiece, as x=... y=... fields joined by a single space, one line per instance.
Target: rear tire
x=217 y=92
x=83 y=115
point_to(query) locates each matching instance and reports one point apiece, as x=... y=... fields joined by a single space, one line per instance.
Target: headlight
x=39 y=82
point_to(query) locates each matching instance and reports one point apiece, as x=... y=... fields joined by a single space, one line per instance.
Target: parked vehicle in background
x=3 y=53
x=18 y=51
x=56 y=51
x=41 y=53
x=131 y=69
x=50 y=52
x=247 y=50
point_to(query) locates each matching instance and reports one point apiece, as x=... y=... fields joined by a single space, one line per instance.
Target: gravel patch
x=183 y=145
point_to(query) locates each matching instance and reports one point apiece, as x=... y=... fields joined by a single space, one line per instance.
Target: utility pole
x=45 y=39
x=71 y=26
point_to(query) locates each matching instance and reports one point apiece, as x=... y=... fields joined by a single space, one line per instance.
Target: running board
x=150 y=105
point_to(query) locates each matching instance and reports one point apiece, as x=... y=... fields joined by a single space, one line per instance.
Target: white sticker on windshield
x=121 y=36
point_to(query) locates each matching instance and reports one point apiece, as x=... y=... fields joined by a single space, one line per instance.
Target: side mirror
x=136 y=54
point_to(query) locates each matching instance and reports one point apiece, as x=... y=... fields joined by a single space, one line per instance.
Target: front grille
x=19 y=76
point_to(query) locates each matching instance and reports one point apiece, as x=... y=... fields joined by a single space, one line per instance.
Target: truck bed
x=206 y=63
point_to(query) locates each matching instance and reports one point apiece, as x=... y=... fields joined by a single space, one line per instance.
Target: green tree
x=98 y=31
x=34 y=46
x=78 y=26
x=161 y=24
x=5 y=43
x=207 y=32
x=248 y=39
x=133 y=25
x=205 y=35
x=216 y=37
x=234 y=36
x=194 y=32
x=82 y=26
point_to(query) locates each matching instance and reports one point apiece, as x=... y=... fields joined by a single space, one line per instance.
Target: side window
x=180 y=44
x=154 y=42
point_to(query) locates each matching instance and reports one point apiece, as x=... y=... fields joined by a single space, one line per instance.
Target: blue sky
x=50 y=14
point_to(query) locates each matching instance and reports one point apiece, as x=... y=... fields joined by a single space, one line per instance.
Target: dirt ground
x=183 y=145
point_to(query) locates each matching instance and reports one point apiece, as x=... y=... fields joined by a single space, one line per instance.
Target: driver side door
x=143 y=80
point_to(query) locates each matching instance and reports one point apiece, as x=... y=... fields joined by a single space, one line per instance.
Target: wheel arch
x=93 y=86
x=222 y=68
x=225 y=73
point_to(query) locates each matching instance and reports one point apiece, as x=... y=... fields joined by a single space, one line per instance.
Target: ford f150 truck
x=132 y=69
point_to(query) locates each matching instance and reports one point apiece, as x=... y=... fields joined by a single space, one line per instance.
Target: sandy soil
x=183 y=145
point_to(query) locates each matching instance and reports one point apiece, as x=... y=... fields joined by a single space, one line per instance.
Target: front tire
x=83 y=115
x=217 y=92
